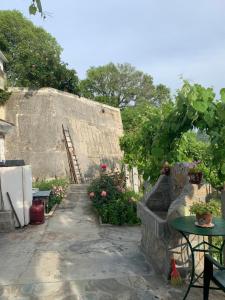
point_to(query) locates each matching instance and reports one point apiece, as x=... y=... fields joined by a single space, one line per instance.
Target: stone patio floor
x=72 y=257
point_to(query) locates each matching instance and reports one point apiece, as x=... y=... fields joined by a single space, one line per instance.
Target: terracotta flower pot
x=204 y=220
x=195 y=178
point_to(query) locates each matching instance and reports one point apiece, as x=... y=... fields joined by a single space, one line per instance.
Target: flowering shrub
x=113 y=202
x=58 y=191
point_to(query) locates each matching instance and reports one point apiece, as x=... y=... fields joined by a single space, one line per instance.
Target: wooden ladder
x=75 y=172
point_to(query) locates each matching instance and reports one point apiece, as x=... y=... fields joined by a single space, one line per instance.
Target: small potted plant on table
x=204 y=213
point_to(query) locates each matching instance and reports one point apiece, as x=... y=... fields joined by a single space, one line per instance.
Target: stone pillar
x=135 y=179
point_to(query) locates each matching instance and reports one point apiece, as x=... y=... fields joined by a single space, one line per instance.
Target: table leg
x=222 y=260
x=193 y=265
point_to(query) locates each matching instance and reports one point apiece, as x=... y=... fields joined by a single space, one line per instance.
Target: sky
x=169 y=40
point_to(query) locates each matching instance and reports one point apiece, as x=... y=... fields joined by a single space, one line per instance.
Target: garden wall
x=37 y=137
x=170 y=197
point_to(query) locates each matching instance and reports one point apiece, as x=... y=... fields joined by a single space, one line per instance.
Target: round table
x=186 y=226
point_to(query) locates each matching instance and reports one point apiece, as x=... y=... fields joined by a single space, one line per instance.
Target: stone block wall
x=172 y=195
x=38 y=116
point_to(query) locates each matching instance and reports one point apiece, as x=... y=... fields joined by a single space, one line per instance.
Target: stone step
x=79 y=185
x=78 y=188
x=77 y=193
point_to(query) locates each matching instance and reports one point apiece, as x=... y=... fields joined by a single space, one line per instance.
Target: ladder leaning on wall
x=75 y=172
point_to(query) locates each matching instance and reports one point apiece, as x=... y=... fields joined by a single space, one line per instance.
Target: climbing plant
x=4 y=96
x=157 y=138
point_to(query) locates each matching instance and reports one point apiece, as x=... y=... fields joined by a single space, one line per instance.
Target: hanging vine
x=195 y=108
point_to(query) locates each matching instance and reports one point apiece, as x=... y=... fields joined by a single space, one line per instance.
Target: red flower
x=103 y=193
x=91 y=194
x=103 y=166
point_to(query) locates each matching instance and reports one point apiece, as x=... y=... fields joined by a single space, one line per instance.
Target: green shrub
x=113 y=202
x=44 y=185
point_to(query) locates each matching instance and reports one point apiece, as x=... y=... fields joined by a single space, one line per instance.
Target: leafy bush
x=44 y=185
x=57 y=187
x=113 y=202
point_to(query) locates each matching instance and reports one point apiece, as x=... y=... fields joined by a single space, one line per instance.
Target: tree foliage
x=120 y=85
x=33 y=55
x=163 y=134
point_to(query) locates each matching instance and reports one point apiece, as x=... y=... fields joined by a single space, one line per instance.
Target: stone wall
x=38 y=116
x=171 y=197
x=2 y=80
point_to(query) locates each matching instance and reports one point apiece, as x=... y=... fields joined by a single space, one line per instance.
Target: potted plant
x=204 y=212
x=195 y=173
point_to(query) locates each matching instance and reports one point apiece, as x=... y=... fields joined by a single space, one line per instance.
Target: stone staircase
x=75 y=193
x=78 y=188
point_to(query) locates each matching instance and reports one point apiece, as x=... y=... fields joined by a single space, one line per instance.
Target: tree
x=33 y=55
x=121 y=85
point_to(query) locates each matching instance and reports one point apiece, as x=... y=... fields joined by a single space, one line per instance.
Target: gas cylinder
x=37 y=212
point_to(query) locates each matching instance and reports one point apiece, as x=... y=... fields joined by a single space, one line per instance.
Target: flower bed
x=114 y=204
x=57 y=187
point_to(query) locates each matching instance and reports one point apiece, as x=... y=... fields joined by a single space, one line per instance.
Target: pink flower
x=91 y=194
x=103 y=166
x=103 y=193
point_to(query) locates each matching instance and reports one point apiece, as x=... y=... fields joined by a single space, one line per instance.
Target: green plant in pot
x=166 y=168
x=204 y=212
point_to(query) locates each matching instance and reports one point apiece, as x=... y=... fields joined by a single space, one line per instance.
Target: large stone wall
x=37 y=138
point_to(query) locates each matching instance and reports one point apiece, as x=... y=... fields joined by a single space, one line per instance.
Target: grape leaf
x=222 y=94
x=200 y=106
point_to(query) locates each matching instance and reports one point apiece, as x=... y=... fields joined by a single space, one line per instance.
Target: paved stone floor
x=72 y=257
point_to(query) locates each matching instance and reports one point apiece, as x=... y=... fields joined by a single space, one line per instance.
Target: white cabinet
x=17 y=181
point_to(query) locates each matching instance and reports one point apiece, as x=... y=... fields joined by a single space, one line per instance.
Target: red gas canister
x=37 y=215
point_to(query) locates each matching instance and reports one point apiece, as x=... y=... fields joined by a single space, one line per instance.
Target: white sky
x=164 y=38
